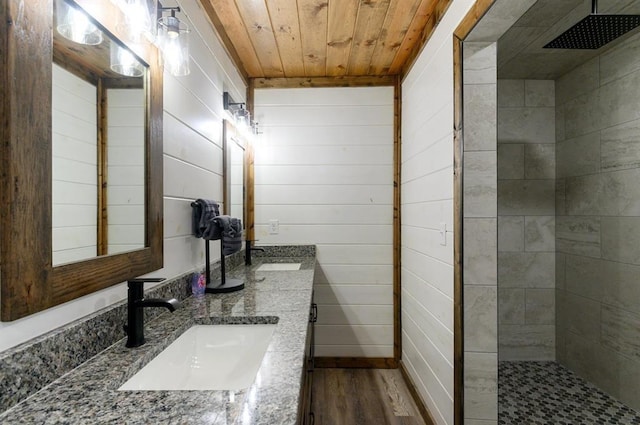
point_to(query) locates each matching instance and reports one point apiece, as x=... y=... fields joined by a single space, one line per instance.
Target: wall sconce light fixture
x=124 y=62
x=173 y=41
x=241 y=116
x=138 y=19
x=74 y=24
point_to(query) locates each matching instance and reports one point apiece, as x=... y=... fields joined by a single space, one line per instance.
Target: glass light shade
x=137 y=19
x=75 y=25
x=124 y=62
x=173 y=40
x=243 y=118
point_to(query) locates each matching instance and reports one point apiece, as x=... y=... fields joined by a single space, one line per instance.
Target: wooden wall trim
x=356 y=362
x=475 y=14
x=431 y=25
x=397 y=241
x=422 y=408
x=249 y=166
x=477 y=11
x=458 y=324
x=307 y=82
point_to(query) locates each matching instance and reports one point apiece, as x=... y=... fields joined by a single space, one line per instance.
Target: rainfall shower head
x=595 y=30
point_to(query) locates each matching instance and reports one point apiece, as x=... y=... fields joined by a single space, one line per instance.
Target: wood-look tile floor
x=362 y=397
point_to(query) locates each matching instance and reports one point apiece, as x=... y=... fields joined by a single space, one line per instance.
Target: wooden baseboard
x=356 y=362
x=424 y=411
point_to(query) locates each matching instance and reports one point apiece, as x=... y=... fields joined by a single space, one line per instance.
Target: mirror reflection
x=234 y=171
x=98 y=141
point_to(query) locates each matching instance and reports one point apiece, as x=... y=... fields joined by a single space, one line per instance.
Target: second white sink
x=207 y=357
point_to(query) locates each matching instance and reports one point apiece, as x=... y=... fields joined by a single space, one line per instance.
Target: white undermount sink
x=273 y=267
x=206 y=357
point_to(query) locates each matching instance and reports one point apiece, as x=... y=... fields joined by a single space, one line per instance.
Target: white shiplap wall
x=193 y=117
x=427 y=204
x=324 y=170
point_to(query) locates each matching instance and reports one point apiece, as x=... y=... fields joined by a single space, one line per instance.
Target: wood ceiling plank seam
x=341 y=27
x=285 y=23
x=314 y=14
x=395 y=28
x=258 y=25
x=425 y=10
x=366 y=35
x=228 y=15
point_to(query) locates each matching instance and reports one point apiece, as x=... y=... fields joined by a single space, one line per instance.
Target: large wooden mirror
x=36 y=67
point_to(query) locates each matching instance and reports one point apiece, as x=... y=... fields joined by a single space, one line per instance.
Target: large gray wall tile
x=480 y=117
x=585 y=276
x=480 y=184
x=560 y=133
x=618 y=100
x=510 y=161
x=526 y=125
x=582 y=79
x=481 y=386
x=620 y=61
x=511 y=306
x=579 y=156
x=510 y=93
x=526 y=270
x=621 y=146
x=479 y=63
x=526 y=197
x=580 y=316
x=540 y=233
x=561 y=204
x=540 y=306
x=582 y=115
x=621 y=331
x=511 y=233
x=614 y=193
x=578 y=235
x=529 y=342
x=480 y=251
x=561 y=261
x=540 y=93
x=621 y=239
x=540 y=161
x=480 y=318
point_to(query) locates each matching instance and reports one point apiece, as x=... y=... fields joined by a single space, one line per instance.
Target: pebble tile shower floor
x=546 y=393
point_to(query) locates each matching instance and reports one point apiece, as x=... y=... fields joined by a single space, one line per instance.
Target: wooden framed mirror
x=30 y=281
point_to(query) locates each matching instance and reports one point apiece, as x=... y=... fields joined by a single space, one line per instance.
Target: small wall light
x=75 y=25
x=241 y=116
x=173 y=41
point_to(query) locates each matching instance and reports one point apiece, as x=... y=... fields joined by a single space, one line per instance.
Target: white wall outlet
x=443 y=234
x=274 y=226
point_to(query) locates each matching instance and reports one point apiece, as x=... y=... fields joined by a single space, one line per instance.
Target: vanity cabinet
x=305 y=415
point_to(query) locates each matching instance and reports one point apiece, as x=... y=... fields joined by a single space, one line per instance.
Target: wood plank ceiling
x=323 y=38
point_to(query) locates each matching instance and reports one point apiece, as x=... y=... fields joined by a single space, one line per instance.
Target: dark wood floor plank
x=362 y=397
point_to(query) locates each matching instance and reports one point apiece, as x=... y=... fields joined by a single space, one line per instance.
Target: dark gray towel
x=231 y=229
x=203 y=212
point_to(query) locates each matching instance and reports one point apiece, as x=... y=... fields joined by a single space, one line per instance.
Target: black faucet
x=247 y=251
x=135 y=305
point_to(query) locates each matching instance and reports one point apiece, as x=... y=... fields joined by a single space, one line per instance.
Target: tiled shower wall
x=526 y=219
x=598 y=221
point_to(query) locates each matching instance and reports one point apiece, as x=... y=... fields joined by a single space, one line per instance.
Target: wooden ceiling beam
x=308 y=82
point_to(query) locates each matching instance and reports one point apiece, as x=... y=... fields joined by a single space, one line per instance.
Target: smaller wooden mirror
x=234 y=148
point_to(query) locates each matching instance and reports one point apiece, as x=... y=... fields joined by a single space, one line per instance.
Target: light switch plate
x=274 y=226
x=443 y=234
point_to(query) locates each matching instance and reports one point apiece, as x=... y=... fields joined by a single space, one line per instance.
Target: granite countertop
x=88 y=394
